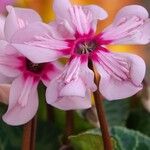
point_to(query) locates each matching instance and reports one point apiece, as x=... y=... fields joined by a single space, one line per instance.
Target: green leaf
x=139 y=119
x=122 y=139
x=48 y=136
x=130 y=139
x=90 y=140
x=117 y=112
x=10 y=137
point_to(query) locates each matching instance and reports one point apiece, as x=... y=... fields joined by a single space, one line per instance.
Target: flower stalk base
x=101 y=112
x=29 y=134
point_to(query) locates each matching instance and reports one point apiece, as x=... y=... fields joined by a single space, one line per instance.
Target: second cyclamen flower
x=26 y=72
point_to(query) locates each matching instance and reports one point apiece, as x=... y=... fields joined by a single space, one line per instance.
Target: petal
x=37 y=54
x=121 y=75
x=70 y=100
x=73 y=102
x=130 y=10
x=87 y=76
x=61 y=29
x=4 y=93
x=2 y=22
x=51 y=70
x=52 y=92
x=18 y=18
x=9 y=65
x=74 y=88
x=23 y=104
x=69 y=89
x=97 y=12
x=61 y=8
x=30 y=32
x=130 y=26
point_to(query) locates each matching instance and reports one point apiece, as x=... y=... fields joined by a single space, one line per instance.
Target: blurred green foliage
x=120 y=115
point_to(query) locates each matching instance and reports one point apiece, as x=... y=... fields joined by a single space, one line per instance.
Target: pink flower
x=121 y=73
x=27 y=73
x=73 y=34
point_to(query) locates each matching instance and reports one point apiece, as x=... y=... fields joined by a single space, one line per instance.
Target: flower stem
x=29 y=135
x=69 y=125
x=100 y=111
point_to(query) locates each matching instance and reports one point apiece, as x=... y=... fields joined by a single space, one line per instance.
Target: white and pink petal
x=68 y=96
x=18 y=18
x=38 y=54
x=23 y=104
x=121 y=75
x=130 y=26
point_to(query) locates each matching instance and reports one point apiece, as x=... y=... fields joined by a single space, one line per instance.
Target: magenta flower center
x=85 y=46
x=34 y=67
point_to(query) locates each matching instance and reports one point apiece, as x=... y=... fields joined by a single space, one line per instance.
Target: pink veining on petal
x=128 y=26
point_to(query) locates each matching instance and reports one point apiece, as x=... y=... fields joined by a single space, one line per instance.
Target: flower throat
x=85 y=47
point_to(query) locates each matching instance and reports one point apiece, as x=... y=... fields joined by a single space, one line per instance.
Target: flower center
x=34 y=67
x=84 y=47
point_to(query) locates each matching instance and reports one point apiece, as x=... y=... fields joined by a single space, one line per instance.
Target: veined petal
x=18 y=18
x=121 y=75
x=77 y=19
x=97 y=13
x=23 y=104
x=69 y=89
x=132 y=10
x=61 y=29
x=38 y=54
x=131 y=26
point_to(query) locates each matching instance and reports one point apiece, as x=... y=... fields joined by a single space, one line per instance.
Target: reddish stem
x=69 y=125
x=100 y=111
x=29 y=135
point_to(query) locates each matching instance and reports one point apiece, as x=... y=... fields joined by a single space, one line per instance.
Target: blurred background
x=129 y=120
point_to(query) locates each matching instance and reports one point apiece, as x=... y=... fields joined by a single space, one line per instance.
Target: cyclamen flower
x=75 y=26
x=27 y=73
